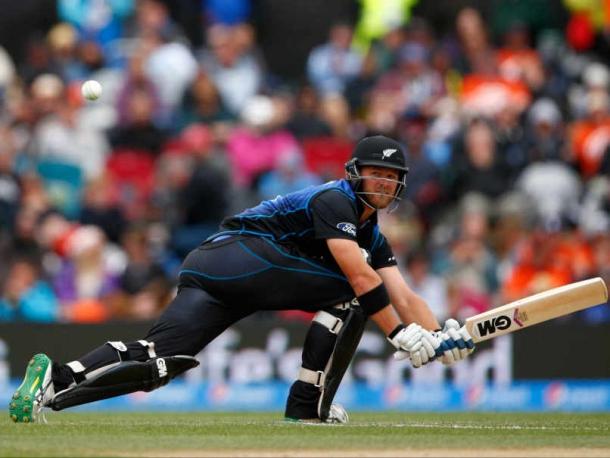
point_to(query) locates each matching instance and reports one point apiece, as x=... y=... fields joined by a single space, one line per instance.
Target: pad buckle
x=315 y=378
x=320 y=381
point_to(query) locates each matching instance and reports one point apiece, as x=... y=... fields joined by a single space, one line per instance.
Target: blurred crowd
x=505 y=120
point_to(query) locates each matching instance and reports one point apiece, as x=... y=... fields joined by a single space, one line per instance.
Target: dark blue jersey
x=307 y=218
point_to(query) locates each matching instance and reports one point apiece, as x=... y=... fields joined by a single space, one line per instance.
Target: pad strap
x=150 y=347
x=329 y=321
x=315 y=378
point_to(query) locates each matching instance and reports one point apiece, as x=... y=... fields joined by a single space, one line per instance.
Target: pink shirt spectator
x=252 y=153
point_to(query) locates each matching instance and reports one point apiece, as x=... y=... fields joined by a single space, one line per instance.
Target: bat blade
x=537 y=308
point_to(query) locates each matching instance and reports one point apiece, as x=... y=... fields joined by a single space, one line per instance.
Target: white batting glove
x=416 y=343
x=457 y=342
x=407 y=340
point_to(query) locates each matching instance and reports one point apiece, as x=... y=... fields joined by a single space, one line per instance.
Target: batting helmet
x=378 y=151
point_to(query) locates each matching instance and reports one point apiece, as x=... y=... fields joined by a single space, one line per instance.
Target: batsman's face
x=379 y=185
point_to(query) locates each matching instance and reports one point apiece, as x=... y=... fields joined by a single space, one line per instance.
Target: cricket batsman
x=319 y=249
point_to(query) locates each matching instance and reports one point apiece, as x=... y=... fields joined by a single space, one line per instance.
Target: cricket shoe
x=337 y=414
x=34 y=393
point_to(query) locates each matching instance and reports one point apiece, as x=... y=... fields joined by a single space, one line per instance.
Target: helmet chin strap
x=364 y=201
x=391 y=207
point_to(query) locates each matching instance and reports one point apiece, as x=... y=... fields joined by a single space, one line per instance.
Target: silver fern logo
x=387 y=153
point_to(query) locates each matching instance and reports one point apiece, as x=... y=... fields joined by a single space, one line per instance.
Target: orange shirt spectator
x=488 y=95
x=547 y=261
x=589 y=139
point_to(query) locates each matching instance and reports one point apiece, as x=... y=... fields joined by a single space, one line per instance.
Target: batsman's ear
x=351 y=168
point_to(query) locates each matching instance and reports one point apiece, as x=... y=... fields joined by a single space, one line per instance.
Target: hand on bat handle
x=457 y=342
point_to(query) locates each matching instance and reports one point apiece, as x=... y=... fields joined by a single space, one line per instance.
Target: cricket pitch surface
x=407 y=434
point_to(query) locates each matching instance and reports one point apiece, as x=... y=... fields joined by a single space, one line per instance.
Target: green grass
x=107 y=434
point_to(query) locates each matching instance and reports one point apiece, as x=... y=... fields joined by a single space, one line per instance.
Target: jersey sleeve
x=334 y=216
x=381 y=252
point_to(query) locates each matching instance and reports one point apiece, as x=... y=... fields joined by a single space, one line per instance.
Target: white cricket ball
x=91 y=90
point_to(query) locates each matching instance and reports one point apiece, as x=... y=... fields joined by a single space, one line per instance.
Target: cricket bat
x=537 y=308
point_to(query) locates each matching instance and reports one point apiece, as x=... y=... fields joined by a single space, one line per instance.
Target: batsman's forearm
x=414 y=309
x=386 y=319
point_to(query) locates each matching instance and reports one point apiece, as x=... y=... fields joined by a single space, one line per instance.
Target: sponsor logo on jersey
x=347 y=227
x=386 y=153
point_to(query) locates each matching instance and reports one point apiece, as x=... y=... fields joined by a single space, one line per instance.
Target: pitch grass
x=158 y=434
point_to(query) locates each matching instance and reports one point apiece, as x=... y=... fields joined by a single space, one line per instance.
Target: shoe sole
x=21 y=406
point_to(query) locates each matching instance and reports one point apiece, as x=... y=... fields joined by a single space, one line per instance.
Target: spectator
x=237 y=75
x=468 y=262
x=204 y=199
x=589 y=137
x=544 y=137
x=510 y=139
x=152 y=18
x=26 y=296
x=136 y=79
x=202 y=104
x=433 y=288
x=85 y=284
x=333 y=64
x=63 y=44
x=555 y=191
x=60 y=136
x=546 y=260
x=305 y=120
x=425 y=187
x=102 y=21
x=290 y=174
x=143 y=284
x=517 y=60
x=10 y=183
x=334 y=111
x=414 y=84
x=594 y=213
x=479 y=168
x=7 y=71
x=477 y=55
x=100 y=209
x=139 y=131
x=254 y=147
x=385 y=51
x=226 y=12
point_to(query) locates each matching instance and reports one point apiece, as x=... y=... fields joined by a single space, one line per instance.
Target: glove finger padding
x=458 y=343
x=467 y=339
x=430 y=344
x=416 y=359
x=408 y=339
x=400 y=355
x=412 y=337
x=464 y=335
x=451 y=355
x=458 y=340
x=451 y=323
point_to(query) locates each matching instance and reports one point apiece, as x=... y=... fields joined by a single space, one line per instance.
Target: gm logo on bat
x=500 y=323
